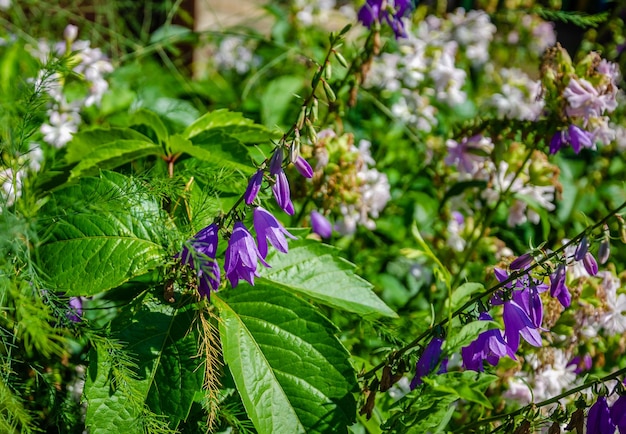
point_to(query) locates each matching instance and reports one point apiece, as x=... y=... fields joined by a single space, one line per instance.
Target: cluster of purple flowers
x=523 y=308
x=243 y=253
x=522 y=315
x=391 y=11
x=602 y=419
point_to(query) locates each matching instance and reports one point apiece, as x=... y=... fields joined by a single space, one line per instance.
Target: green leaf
x=468 y=385
x=233 y=124
x=215 y=148
x=86 y=142
x=151 y=120
x=292 y=373
x=113 y=155
x=463 y=294
x=164 y=378
x=317 y=271
x=468 y=333
x=103 y=232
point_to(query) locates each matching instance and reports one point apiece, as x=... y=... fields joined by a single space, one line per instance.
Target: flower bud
x=604 y=251
x=582 y=249
x=70 y=33
x=590 y=264
x=320 y=225
x=521 y=262
x=276 y=162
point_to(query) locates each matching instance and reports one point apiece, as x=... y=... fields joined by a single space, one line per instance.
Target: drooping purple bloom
x=391 y=11
x=581 y=364
x=590 y=264
x=604 y=251
x=575 y=136
x=428 y=361
x=599 y=418
x=75 y=311
x=522 y=310
x=579 y=138
x=268 y=228
x=558 y=140
x=618 y=414
x=521 y=262
x=558 y=288
x=282 y=193
x=253 y=187
x=581 y=249
x=489 y=346
x=320 y=225
x=303 y=167
x=276 y=162
x=242 y=256
x=199 y=253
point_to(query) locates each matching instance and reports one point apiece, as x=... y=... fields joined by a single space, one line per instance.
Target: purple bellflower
x=523 y=311
x=242 y=256
x=276 y=162
x=392 y=11
x=303 y=167
x=521 y=262
x=599 y=418
x=268 y=228
x=199 y=253
x=254 y=186
x=581 y=364
x=590 y=264
x=320 y=225
x=282 y=193
x=428 y=361
x=575 y=136
x=581 y=249
x=489 y=346
x=558 y=288
x=618 y=414
x=75 y=311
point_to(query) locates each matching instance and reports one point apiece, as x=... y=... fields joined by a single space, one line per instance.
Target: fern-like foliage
x=579 y=19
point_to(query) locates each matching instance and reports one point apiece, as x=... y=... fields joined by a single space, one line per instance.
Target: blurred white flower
x=60 y=129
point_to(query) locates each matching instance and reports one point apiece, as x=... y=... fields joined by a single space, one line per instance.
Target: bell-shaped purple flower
x=75 y=311
x=320 y=225
x=604 y=251
x=268 y=228
x=579 y=138
x=391 y=11
x=590 y=264
x=282 y=193
x=618 y=414
x=254 y=186
x=428 y=361
x=242 y=256
x=581 y=249
x=558 y=288
x=489 y=346
x=199 y=252
x=521 y=262
x=599 y=418
x=303 y=167
x=276 y=162
x=558 y=140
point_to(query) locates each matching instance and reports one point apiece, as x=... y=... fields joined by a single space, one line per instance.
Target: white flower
x=5 y=4
x=614 y=318
x=61 y=128
x=11 y=185
x=455 y=225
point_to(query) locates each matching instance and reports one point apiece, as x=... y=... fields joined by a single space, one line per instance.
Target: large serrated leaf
x=232 y=123
x=216 y=148
x=113 y=155
x=101 y=233
x=316 y=271
x=166 y=377
x=292 y=373
x=87 y=141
